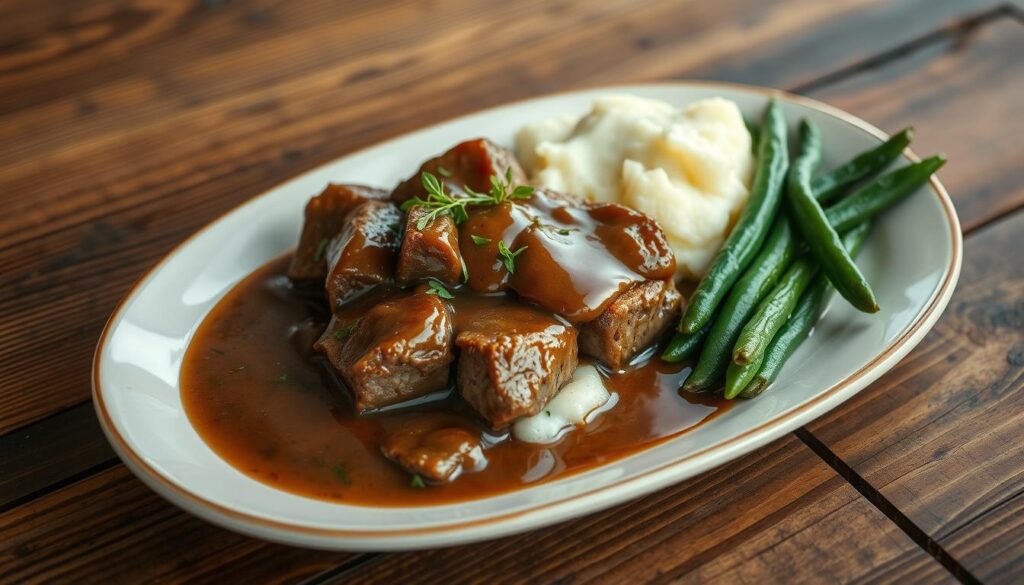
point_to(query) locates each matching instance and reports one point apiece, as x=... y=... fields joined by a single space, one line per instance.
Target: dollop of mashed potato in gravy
x=690 y=169
x=577 y=403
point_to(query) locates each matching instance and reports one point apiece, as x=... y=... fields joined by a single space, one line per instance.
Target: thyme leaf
x=440 y=202
x=344 y=332
x=438 y=289
x=508 y=257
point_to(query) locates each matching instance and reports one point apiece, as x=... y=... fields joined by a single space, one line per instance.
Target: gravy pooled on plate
x=386 y=361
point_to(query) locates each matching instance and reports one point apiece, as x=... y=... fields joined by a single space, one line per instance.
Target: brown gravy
x=262 y=399
x=574 y=260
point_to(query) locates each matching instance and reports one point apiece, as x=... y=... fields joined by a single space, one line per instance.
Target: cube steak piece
x=325 y=214
x=399 y=349
x=631 y=323
x=438 y=452
x=363 y=254
x=431 y=252
x=470 y=163
x=513 y=361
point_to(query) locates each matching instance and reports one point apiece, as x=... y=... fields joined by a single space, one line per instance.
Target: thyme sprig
x=440 y=202
x=502 y=191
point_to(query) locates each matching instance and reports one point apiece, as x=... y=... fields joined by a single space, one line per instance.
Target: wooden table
x=125 y=126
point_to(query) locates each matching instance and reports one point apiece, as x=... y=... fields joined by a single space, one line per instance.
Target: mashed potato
x=690 y=168
x=575 y=404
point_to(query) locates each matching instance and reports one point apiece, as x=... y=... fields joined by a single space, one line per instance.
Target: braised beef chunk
x=480 y=237
x=325 y=215
x=437 y=453
x=578 y=258
x=431 y=251
x=632 y=322
x=512 y=360
x=399 y=349
x=362 y=255
x=634 y=238
x=470 y=164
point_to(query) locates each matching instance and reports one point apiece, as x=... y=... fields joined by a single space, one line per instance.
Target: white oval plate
x=912 y=259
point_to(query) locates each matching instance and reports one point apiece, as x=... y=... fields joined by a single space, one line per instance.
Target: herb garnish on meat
x=438 y=289
x=508 y=257
x=440 y=202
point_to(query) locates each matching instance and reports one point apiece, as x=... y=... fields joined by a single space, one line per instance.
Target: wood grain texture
x=949 y=416
x=112 y=529
x=939 y=435
x=52 y=452
x=962 y=95
x=128 y=126
x=779 y=515
x=116 y=253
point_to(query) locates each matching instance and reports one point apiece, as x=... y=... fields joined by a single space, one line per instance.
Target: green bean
x=776 y=254
x=774 y=257
x=750 y=230
x=737 y=377
x=759 y=278
x=881 y=193
x=827 y=186
x=754 y=132
x=850 y=216
x=812 y=223
x=806 y=314
x=773 y=310
x=683 y=345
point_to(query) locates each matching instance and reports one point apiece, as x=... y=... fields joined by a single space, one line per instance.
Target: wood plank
x=53 y=451
x=111 y=528
x=118 y=165
x=959 y=484
x=939 y=435
x=107 y=185
x=131 y=56
x=112 y=253
x=962 y=96
x=779 y=515
x=780 y=512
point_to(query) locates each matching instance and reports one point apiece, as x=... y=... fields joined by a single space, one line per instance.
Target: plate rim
x=563 y=507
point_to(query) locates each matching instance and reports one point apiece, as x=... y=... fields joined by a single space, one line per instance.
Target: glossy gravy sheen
x=572 y=260
x=264 y=401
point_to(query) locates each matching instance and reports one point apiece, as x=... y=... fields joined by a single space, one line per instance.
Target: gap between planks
x=875 y=497
x=956 y=28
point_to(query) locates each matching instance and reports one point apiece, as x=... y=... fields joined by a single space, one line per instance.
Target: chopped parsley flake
x=341 y=472
x=320 y=249
x=344 y=332
x=438 y=289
